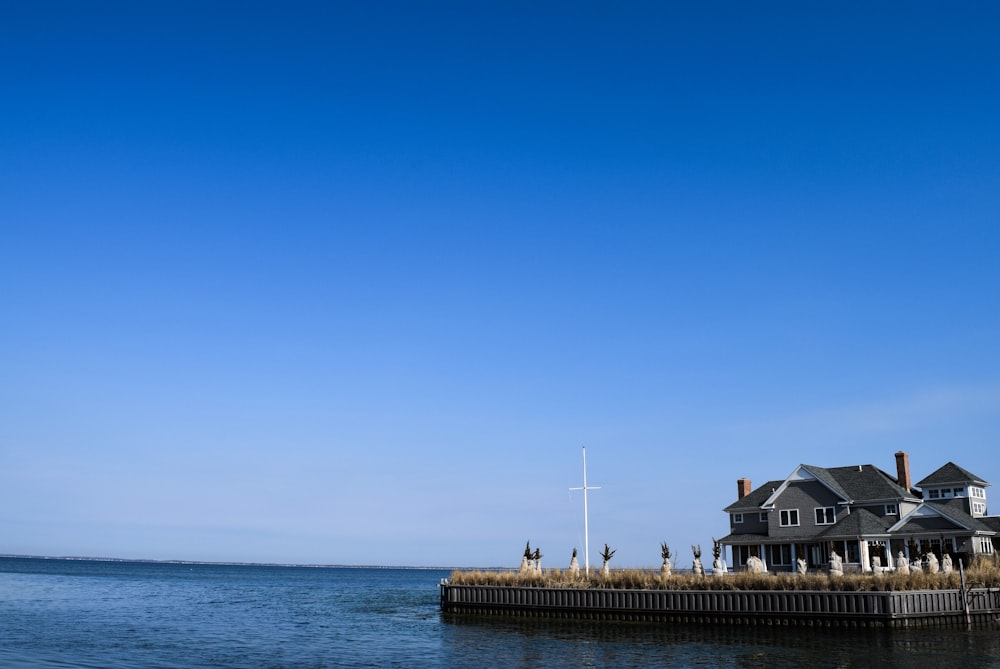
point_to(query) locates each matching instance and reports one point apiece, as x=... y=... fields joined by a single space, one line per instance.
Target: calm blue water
x=58 y=613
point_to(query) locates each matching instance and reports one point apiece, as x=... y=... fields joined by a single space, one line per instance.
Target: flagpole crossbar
x=586 y=530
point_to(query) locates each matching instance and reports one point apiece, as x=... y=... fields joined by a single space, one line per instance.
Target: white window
x=934 y=494
x=978 y=509
x=737 y=518
x=825 y=515
x=985 y=545
x=788 y=517
x=891 y=510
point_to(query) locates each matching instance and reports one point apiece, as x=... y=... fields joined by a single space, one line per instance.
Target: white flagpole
x=586 y=528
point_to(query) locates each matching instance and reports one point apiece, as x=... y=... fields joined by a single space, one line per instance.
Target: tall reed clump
x=984 y=572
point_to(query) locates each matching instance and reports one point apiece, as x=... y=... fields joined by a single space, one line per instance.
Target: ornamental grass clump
x=982 y=573
x=666 y=569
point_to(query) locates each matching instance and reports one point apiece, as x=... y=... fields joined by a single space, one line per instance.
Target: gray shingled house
x=864 y=514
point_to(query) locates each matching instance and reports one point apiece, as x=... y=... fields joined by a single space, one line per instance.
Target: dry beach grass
x=984 y=572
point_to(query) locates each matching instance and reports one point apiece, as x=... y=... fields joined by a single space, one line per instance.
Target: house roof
x=754 y=500
x=955 y=509
x=861 y=486
x=857 y=484
x=743 y=538
x=858 y=523
x=941 y=515
x=826 y=476
x=951 y=473
x=867 y=482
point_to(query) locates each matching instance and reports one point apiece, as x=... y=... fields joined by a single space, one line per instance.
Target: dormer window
x=891 y=510
x=737 y=518
x=933 y=494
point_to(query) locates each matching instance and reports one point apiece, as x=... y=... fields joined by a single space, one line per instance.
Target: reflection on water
x=534 y=642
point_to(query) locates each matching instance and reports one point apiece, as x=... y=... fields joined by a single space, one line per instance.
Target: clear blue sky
x=354 y=282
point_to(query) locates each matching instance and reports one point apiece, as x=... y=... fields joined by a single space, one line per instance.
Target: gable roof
x=858 y=484
x=944 y=515
x=825 y=476
x=955 y=509
x=951 y=473
x=807 y=473
x=754 y=500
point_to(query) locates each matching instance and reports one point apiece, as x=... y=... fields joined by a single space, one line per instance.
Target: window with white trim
x=737 y=518
x=958 y=492
x=891 y=510
x=788 y=518
x=985 y=545
x=978 y=509
x=977 y=492
x=933 y=494
x=825 y=515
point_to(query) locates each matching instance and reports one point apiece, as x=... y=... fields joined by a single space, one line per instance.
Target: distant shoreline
x=75 y=558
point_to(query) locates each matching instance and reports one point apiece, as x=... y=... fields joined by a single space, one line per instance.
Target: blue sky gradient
x=354 y=282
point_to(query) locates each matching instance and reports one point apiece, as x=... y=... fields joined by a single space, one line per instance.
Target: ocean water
x=81 y=613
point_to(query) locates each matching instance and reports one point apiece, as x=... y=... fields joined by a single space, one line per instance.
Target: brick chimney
x=903 y=470
x=743 y=487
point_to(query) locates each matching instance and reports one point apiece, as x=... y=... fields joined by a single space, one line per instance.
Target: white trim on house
x=800 y=473
x=925 y=511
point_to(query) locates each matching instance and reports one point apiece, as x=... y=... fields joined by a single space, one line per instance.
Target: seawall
x=914 y=608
